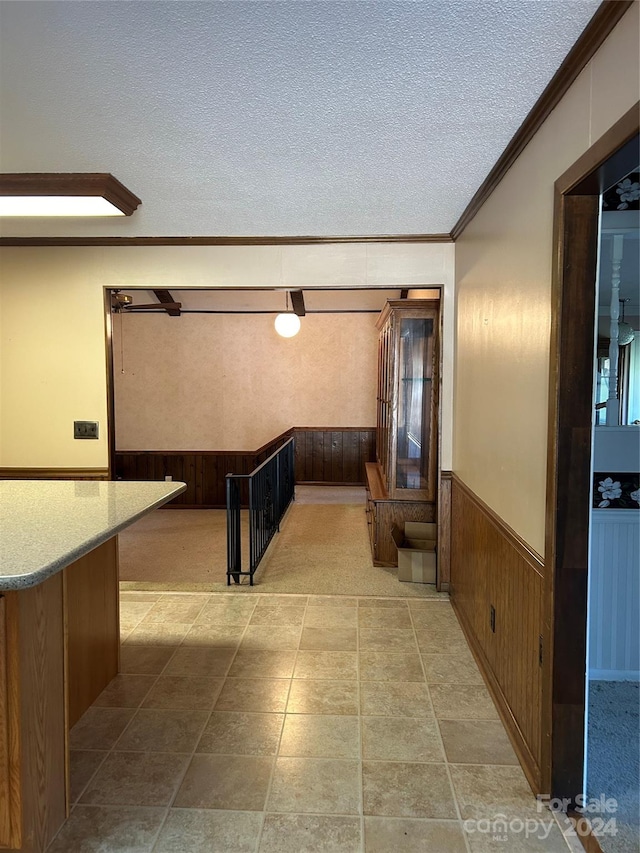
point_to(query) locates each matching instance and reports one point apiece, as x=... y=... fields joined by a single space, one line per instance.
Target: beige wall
x=503 y=291
x=52 y=352
x=230 y=382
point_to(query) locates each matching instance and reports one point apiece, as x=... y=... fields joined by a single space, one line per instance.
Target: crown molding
x=599 y=27
x=220 y=241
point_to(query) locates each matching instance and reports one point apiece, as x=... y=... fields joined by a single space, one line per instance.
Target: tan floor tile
x=158 y=633
x=225 y=782
x=451 y=669
x=125 y=691
x=99 y=728
x=240 y=733
x=221 y=614
x=395 y=835
x=395 y=698
x=135 y=779
x=277 y=615
x=433 y=613
x=163 y=731
x=187 y=694
x=396 y=789
x=178 y=609
x=337 y=666
x=131 y=611
x=310 y=696
x=441 y=640
x=387 y=640
x=390 y=666
x=209 y=831
x=253 y=694
x=484 y=791
x=401 y=739
x=269 y=600
x=329 y=639
x=214 y=636
x=271 y=637
x=398 y=603
x=331 y=617
x=311 y=834
x=200 y=661
x=139 y=596
x=476 y=742
x=384 y=617
x=332 y=601
x=117 y=830
x=262 y=663
x=82 y=765
x=144 y=660
x=320 y=736
x=316 y=785
x=462 y=702
x=544 y=837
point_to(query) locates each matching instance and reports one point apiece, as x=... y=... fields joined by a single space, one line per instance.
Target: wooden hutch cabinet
x=402 y=484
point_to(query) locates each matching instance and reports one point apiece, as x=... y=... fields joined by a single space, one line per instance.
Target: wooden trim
x=98 y=184
x=221 y=241
x=107 y=294
x=54 y=473
x=525 y=756
x=491 y=572
x=536 y=562
x=588 y=840
x=569 y=453
x=609 y=13
x=10 y=747
x=600 y=166
x=444 y=531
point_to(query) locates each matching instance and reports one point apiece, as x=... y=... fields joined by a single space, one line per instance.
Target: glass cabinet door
x=414 y=418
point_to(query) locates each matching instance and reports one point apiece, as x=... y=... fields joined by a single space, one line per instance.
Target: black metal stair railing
x=271 y=490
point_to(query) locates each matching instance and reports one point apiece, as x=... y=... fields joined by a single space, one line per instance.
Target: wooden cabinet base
x=58 y=650
x=383 y=513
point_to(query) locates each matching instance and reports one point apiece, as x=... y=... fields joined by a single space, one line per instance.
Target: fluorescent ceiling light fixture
x=65 y=194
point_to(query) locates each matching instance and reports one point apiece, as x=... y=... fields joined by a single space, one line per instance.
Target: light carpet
x=321 y=549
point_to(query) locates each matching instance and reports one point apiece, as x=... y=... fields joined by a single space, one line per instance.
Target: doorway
x=577 y=207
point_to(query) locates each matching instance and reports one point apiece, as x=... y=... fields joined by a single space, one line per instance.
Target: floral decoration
x=625 y=195
x=616 y=491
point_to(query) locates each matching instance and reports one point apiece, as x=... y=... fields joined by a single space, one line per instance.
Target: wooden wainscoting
x=492 y=567
x=334 y=456
x=10 y=789
x=444 y=531
x=54 y=474
x=204 y=472
x=323 y=455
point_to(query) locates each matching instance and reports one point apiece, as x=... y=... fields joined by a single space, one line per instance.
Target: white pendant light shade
x=287 y=325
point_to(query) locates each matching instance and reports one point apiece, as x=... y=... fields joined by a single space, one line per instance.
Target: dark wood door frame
x=569 y=449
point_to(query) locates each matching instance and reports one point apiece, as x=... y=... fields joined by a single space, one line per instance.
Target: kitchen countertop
x=47 y=524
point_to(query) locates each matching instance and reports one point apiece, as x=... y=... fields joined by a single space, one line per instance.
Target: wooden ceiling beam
x=165 y=298
x=297 y=302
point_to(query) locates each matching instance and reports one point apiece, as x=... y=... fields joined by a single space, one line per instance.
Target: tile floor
x=282 y=724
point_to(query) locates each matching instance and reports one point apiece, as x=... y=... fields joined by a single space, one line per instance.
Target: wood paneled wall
x=323 y=455
x=337 y=456
x=491 y=566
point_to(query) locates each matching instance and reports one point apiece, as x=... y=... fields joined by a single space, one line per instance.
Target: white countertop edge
x=9 y=583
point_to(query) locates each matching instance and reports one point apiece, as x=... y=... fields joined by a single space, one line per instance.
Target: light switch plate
x=85 y=429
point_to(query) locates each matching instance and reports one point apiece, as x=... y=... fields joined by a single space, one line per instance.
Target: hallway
x=276 y=723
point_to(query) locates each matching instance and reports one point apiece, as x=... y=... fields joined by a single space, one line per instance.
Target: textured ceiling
x=275 y=118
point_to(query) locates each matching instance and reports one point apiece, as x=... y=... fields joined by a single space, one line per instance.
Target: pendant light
x=625 y=332
x=287 y=324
